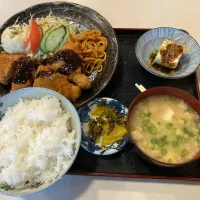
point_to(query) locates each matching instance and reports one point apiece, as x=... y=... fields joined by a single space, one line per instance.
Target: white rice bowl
x=39 y=141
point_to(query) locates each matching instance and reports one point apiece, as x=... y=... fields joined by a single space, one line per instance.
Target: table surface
x=123 y=14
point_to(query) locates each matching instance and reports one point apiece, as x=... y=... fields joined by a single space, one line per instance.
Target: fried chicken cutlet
x=56 y=82
x=68 y=62
x=7 y=68
x=24 y=74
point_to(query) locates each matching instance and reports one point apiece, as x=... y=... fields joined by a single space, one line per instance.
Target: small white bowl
x=35 y=93
x=87 y=143
x=151 y=40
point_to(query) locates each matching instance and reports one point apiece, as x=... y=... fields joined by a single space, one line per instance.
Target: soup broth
x=166 y=128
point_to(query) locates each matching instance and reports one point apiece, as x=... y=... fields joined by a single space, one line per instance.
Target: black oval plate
x=86 y=18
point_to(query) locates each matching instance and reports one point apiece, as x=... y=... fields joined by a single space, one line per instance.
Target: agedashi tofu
x=169 y=54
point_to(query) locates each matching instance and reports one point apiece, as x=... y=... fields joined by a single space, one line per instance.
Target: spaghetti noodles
x=91 y=46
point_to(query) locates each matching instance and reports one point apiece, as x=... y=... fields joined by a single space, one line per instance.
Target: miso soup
x=166 y=128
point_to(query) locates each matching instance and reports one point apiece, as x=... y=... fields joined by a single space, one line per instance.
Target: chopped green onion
x=152 y=129
x=145 y=115
x=174 y=144
x=165 y=143
x=185 y=121
x=197 y=125
x=189 y=110
x=172 y=131
x=184 y=153
x=142 y=115
x=146 y=121
x=172 y=98
x=155 y=51
x=144 y=128
x=163 y=138
x=154 y=141
x=198 y=142
x=169 y=125
x=197 y=121
x=148 y=114
x=153 y=147
x=186 y=131
x=180 y=138
x=160 y=143
x=151 y=124
x=163 y=151
x=170 y=160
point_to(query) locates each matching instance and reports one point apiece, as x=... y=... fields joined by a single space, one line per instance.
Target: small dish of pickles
x=104 y=129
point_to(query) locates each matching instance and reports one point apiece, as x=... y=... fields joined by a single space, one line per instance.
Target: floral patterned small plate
x=87 y=143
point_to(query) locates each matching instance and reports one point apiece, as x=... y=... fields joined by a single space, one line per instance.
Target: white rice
x=36 y=142
x=14 y=37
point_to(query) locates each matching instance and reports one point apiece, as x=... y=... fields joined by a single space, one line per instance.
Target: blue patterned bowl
x=34 y=93
x=87 y=143
x=152 y=39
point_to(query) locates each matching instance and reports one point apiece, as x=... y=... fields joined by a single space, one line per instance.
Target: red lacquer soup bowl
x=169 y=91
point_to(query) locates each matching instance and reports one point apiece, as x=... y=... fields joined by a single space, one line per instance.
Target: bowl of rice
x=40 y=135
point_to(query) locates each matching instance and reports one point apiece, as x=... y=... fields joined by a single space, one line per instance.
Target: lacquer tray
x=127 y=163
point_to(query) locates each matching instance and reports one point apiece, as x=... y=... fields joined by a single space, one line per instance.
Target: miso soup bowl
x=170 y=91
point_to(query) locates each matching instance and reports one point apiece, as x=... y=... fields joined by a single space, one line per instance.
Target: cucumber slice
x=42 y=44
x=41 y=31
x=54 y=38
x=62 y=43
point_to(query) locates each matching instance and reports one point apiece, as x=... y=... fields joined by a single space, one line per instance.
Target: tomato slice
x=26 y=43
x=35 y=36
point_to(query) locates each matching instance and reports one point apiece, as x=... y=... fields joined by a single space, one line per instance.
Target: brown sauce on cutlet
x=67 y=69
x=23 y=73
x=43 y=74
x=71 y=59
